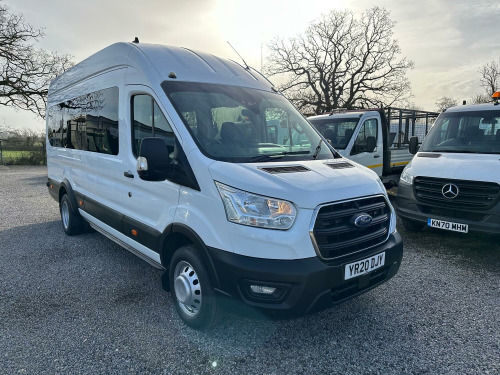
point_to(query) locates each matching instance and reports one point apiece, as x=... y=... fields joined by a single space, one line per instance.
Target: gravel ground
x=83 y=305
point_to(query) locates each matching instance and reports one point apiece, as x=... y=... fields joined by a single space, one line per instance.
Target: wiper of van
x=318 y=149
x=278 y=155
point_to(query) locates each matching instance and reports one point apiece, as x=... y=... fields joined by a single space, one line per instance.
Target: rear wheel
x=191 y=289
x=413 y=226
x=72 y=223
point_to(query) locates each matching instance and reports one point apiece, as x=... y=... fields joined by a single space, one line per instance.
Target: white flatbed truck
x=375 y=138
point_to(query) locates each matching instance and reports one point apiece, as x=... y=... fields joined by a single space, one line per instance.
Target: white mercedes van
x=453 y=182
x=200 y=167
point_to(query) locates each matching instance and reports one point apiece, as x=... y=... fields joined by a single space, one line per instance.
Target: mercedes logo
x=450 y=191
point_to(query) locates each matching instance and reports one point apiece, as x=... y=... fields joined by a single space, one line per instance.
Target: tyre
x=191 y=289
x=413 y=226
x=72 y=224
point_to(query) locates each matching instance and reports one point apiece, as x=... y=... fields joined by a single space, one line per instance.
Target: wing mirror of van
x=371 y=143
x=154 y=162
x=413 y=145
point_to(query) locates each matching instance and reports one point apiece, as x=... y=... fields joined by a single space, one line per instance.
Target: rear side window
x=54 y=125
x=88 y=122
x=148 y=121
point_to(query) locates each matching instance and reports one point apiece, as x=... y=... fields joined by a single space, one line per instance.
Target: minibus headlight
x=406 y=177
x=256 y=210
x=392 y=226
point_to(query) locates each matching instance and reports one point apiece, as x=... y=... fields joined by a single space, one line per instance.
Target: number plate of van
x=448 y=225
x=364 y=266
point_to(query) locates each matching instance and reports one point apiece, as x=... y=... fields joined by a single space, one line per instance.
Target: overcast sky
x=448 y=40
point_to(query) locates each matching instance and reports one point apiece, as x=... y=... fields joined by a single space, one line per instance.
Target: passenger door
x=359 y=152
x=94 y=122
x=148 y=206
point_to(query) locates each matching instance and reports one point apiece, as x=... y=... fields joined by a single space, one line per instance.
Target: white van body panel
x=321 y=184
x=473 y=167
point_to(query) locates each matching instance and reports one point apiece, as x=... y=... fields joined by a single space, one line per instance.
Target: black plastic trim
x=71 y=194
x=181 y=229
x=312 y=282
x=54 y=191
x=103 y=213
x=146 y=235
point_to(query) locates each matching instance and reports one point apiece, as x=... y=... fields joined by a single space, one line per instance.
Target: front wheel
x=191 y=289
x=413 y=226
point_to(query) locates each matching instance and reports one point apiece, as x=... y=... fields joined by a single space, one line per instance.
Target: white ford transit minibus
x=200 y=167
x=453 y=182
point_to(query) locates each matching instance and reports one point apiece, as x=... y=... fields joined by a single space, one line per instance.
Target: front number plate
x=448 y=225
x=361 y=267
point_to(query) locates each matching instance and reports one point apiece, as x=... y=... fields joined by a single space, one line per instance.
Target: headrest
x=228 y=131
x=472 y=131
x=329 y=134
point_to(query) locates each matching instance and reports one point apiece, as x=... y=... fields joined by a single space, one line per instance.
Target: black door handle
x=128 y=174
x=376 y=156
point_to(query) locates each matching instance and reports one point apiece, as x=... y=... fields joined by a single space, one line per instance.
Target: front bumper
x=482 y=221
x=304 y=284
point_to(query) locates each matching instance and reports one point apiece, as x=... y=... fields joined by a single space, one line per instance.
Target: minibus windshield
x=237 y=124
x=465 y=132
x=337 y=130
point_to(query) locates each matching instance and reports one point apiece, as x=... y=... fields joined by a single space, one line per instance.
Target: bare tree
x=490 y=77
x=480 y=98
x=342 y=61
x=445 y=103
x=26 y=71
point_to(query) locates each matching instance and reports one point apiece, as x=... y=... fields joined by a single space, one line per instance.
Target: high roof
x=156 y=62
x=474 y=107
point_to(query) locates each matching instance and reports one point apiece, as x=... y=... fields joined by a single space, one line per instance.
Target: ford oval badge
x=363 y=220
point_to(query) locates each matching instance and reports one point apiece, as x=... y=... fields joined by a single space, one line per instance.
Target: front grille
x=471 y=194
x=335 y=233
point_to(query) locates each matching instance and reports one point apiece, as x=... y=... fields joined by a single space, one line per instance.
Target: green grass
x=22 y=157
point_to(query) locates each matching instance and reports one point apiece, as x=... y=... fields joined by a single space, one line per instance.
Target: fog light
x=261 y=289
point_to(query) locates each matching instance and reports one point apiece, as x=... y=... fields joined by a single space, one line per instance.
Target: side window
x=149 y=121
x=368 y=129
x=88 y=122
x=277 y=126
x=443 y=131
x=99 y=131
x=54 y=119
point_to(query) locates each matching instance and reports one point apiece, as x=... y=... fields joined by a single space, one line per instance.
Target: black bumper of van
x=302 y=285
x=480 y=221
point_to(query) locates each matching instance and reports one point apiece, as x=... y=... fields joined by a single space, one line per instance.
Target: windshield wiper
x=278 y=155
x=318 y=149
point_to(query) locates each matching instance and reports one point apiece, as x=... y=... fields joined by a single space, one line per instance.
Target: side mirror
x=154 y=162
x=413 y=145
x=371 y=143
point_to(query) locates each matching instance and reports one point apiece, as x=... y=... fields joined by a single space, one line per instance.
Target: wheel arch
x=177 y=235
x=65 y=188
